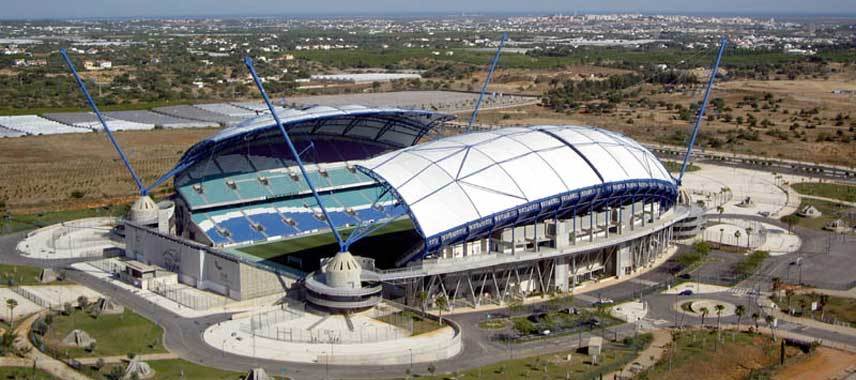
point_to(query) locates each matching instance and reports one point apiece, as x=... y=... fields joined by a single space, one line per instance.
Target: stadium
x=476 y=217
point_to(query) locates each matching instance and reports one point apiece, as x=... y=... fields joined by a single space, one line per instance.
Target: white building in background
x=364 y=77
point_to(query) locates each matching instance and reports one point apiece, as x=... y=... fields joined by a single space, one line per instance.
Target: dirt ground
x=659 y=125
x=40 y=172
x=823 y=364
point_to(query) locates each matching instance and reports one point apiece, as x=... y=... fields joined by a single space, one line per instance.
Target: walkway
x=43 y=362
x=121 y=358
x=647 y=358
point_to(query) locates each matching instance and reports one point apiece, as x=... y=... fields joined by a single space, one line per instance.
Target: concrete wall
x=197 y=266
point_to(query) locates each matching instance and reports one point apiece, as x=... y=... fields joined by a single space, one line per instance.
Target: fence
x=108 y=266
x=186 y=296
x=36 y=299
x=273 y=325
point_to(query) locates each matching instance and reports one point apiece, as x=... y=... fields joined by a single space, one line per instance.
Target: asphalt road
x=183 y=336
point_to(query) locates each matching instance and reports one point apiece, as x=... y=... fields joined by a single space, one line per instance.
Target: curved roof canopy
x=460 y=186
x=392 y=127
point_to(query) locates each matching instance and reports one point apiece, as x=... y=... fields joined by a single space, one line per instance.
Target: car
x=603 y=302
x=765 y=214
x=686 y=292
x=685 y=276
x=546 y=332
x=594 y=322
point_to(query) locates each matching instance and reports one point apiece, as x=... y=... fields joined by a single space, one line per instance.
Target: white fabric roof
x=456 y=180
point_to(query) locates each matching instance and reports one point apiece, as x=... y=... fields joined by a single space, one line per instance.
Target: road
x=183 y=336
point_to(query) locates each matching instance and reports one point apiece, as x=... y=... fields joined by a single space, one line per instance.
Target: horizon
x=163 y=9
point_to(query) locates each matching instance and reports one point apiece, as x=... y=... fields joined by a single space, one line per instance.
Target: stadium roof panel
x=458 y=181
x=392 y=127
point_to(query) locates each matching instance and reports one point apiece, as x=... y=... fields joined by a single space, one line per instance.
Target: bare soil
x=824 y=363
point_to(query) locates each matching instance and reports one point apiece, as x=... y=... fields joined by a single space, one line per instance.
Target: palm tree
x=770 y=319
x=442 y=303
x=748 y=235
x=755 y=317
x=719 y=308
x=704 y=312
x=11 y=303
x=720 y=210
x=739 y=311
x=737 y=236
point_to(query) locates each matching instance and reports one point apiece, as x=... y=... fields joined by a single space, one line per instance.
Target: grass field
x=830 y=211
x=171 y=370
x=827 y=190
x=19 y=275
x=556 y=366
x=286 y=247
x=837 y=308
x=114 y=334
x=24 y=222
x=694 y=355
x=675 y=166
x=16 y=373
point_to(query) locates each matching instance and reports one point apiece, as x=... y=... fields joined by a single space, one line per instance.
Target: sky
x=29 y=9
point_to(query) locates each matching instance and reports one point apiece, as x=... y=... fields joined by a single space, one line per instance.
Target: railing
x=185 y=296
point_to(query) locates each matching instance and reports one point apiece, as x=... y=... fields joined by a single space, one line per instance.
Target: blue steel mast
x=142 y=189
x=248 y=61
x=723 y=42
x=487 y=79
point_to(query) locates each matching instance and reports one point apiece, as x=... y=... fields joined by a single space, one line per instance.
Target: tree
x=11 y=303
x=790 y=220
x=720 y=210
x=704 y=312
x=423 y=299
x=740 y=310
x=515 y=305
x=719 y=308
x=737 y=236
x=432 y=369
x=755 y=317
x=748 y=235
x=442 y=303
x=824 y=299
x=82 y=302
x=770 y=319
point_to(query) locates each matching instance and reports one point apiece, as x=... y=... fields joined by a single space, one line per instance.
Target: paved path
x=43 y=362
x=15 y=362
x=844 y=330
x=122 y=358
x=647 y=358
x=831 y=200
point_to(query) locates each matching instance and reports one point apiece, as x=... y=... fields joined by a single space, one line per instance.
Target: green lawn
x=827 y=190
x=555 y=366
x=285 y=247
x=25 y=222
x=114 y=334
x=830 y=211
x=675 y=166
x=840 y=308
x=21 y=373
x=402 y=319
x=19 y=275
x=171 y=370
